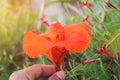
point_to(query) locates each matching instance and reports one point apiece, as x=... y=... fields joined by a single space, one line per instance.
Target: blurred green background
x=17 y=16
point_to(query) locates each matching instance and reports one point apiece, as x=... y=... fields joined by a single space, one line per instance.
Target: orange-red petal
x=77 y=27
x=77 y=42
x=35 y=45
x=55 y=32
x=56 y=55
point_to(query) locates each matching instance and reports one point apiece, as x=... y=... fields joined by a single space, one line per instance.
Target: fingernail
x=61 y=75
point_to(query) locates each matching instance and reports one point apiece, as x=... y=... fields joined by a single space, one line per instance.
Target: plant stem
x=41 y=13
x=113 y=39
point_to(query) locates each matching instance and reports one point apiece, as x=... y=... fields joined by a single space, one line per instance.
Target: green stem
x=113 y=39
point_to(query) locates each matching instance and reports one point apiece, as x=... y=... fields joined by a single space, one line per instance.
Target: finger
x=38 y=70
x=58 y=76
x=33 y=72
x=42 y=78
x=18 y=75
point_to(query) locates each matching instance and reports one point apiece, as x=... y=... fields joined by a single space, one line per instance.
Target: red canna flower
x=57 y=41
x=104 y=51
x=88 y=6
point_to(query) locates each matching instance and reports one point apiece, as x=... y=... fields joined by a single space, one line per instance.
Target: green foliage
x=13 y=24
x=106 y=29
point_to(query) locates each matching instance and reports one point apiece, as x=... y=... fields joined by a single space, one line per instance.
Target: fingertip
x=12 y=76
x=17 y=75
x=40 y=70
x=60 y=75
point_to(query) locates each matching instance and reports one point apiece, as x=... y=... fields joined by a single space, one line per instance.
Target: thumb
x=60 y=75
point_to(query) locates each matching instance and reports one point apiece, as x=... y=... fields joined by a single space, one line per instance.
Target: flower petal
x=77 y=27
x=55 y=32
x=77 y=42
x=56 y=55
x=35 y=45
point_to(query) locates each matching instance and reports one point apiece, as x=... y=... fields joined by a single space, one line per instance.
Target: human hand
x=38 y=72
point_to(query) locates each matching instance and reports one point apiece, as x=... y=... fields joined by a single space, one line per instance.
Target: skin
x=38 y=72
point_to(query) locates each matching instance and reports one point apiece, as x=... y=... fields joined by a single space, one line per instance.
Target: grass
x=16 y=19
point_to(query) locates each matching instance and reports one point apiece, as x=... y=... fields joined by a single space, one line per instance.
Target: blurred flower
x=88 y=20
x=44 y=21
x=57 y=41
x=88 y=6
x=11 y=66
x=89 y=61
x=104 y=51
x=19 y=58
